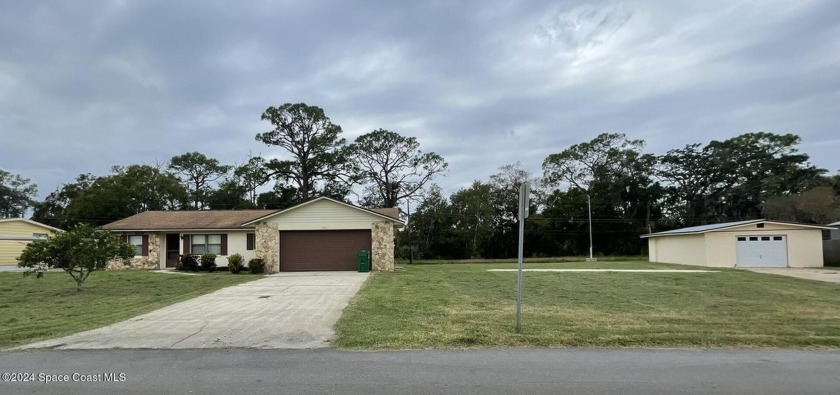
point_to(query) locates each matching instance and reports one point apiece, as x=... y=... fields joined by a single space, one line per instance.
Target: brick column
x=382 y=256
x=154 y=252
x=267 y=240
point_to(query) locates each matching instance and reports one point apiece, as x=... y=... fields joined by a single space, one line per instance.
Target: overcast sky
x=85 y=85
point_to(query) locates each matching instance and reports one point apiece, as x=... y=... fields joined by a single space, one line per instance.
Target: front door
x=172 y=249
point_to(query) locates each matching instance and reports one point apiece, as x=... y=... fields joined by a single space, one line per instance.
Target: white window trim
x=138 y=248
x=206 y=243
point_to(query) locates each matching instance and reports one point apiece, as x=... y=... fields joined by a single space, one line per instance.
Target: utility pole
x=410 y=239
x=524 y=202
x=589 y=204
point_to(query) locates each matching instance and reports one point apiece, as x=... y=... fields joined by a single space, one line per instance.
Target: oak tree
x=127 y=191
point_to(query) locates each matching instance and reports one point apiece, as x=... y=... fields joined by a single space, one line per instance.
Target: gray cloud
x=86 y=85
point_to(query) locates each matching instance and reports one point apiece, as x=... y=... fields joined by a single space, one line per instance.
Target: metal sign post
x=524 y=200
x=589 y=204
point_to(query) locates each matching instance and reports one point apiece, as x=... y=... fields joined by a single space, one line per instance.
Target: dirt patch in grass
x=455 y=306
x=33 y=309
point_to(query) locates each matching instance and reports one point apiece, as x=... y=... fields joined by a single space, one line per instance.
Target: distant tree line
x=755 y=175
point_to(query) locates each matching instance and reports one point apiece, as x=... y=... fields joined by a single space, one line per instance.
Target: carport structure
x=753 y=243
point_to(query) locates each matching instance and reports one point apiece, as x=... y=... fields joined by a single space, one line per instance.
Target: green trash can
x=363 y=261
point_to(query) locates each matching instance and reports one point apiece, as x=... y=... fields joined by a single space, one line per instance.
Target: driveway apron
x=831 y=275
x=286 y=310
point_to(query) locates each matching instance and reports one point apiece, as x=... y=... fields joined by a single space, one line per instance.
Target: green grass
x=464 y=306
x=33 y=309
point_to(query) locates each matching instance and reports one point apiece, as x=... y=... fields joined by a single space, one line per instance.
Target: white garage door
x=762 y=251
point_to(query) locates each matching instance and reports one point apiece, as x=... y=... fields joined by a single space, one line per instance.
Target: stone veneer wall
x=267 y=239
x=382 y=237
x=141 y=263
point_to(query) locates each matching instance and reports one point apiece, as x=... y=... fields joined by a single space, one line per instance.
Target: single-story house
x=321 y=234
x=754 y=243
x=16 y=233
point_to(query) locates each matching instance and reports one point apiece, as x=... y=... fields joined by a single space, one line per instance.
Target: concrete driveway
x=819 y=274
x=287 y=310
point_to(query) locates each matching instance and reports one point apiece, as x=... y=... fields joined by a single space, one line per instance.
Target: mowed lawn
x=39 y=308
x=465 y=306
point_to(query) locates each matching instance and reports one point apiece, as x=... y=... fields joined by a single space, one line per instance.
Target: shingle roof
x=164 y=220
x=725 y=225
x=390 y=212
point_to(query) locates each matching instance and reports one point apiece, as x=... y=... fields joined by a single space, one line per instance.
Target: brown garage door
x=321 y=249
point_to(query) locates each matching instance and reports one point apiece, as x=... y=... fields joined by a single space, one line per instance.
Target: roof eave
x=34 y=223
x=672 y=233
x=649 y=235
x=295 y=207
x=177 y=229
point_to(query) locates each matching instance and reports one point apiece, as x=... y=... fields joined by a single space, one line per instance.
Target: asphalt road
x=531 y=371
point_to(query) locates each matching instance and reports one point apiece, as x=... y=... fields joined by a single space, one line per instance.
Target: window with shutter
x=216 y=244
x=137 y=243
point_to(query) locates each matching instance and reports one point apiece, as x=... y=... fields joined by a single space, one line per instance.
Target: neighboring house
x=321 y=234
x=831 y=244
x=16 y=233
x=834 y=233
x=755 y=243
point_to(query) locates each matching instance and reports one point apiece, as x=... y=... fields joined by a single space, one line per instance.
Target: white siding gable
x=322 y=215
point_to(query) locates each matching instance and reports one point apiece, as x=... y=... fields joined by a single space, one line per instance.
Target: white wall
x=804 y=246
x=722 y=249
x=684 y=249
x=236 y=244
